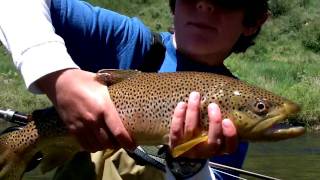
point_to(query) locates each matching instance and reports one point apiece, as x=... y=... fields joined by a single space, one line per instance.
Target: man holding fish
x=58 y=45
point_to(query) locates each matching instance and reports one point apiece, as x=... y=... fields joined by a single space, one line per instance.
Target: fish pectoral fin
x=54 y=158
x=113 y=76
x=182 y=148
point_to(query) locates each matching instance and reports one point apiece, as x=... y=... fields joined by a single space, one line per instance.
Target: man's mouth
x=201 y=25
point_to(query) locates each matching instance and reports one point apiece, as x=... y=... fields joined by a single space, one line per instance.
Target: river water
x=296 y=159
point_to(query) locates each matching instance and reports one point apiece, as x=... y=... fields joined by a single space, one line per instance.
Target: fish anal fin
x=113 y=76
x=182 y=148
x=109 y=152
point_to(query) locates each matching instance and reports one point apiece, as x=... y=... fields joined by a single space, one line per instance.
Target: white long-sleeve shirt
x=27 y=33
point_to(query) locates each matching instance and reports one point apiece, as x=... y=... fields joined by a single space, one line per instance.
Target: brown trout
x=145 y=102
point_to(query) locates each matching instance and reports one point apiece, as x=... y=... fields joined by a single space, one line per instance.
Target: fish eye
x=261 y=107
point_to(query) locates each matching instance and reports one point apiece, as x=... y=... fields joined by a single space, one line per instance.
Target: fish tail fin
x=182 y=148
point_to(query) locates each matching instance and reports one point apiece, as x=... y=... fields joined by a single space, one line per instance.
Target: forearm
x=26 y=31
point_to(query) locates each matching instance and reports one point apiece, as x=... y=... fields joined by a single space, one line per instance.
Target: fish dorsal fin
x=182 y=148
x=113 y=76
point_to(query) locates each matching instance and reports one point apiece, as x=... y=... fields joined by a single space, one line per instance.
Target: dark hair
x=255 y=10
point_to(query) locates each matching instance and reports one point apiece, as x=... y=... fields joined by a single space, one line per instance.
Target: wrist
x=49 y=84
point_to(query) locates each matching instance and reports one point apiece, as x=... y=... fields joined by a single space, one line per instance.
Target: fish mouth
x=276 y=127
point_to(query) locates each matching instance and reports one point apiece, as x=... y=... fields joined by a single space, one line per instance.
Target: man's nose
x=205 y=5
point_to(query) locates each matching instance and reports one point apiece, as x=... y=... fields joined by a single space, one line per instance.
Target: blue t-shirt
x=97 y=38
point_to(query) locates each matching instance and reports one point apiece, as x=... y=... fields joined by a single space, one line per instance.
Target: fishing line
x=241 y=171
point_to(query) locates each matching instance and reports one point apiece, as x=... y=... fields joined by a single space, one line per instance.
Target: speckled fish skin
x=44 y=133
x=145 y=102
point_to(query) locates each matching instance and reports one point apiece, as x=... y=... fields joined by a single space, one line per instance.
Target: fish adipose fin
x=182 y=148
x=113 y=76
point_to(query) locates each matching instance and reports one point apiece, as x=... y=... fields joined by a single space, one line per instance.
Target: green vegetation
x=154 y=13
x=13 y=93
x=285 y=59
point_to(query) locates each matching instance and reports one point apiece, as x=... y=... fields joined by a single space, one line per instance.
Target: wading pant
x=120 y=166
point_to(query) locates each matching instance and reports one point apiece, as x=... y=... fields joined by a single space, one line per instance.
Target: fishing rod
x=240 y=171
x=14 y=117
x=20 y=120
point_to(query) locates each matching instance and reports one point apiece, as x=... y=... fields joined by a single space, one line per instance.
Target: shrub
x=282 y=7
x=279 y=7
x=311 y=36
x=304 y=3
x=296 y=19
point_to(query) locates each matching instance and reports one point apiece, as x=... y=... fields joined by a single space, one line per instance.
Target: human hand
x=86 y=109
x=222 y=135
